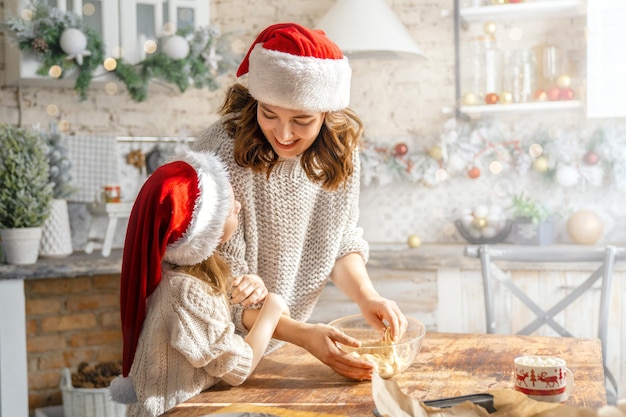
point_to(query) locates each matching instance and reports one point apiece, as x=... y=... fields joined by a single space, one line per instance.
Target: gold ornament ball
x=585 y=227
x=479 y=223
x=540 y=164
x=469 y=99
x=564 y=81
x=506 y=97
x=489 y=28
x=414 y=241
x=436 y=153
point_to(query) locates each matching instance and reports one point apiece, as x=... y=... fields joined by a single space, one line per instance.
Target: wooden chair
x=514 y=253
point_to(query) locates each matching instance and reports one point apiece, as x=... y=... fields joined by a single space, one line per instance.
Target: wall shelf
x=522 y=107
x=552 y=9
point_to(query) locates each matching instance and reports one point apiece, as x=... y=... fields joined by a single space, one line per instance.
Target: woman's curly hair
x=327 y=161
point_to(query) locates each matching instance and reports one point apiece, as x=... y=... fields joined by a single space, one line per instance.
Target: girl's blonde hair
x=327 y=161
x=214 y=271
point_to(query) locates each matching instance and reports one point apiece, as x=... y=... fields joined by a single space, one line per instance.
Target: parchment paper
x=392 y=402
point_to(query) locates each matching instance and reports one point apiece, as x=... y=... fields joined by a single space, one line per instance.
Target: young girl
x=179 y=338
x=290 y=144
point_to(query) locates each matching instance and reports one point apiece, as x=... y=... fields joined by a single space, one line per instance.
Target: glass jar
x=523 y=70
x=481 y=71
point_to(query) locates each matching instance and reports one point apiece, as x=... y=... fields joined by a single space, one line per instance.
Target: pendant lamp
x=368 y=29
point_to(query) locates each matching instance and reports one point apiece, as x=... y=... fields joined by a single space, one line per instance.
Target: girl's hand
x=248 y=290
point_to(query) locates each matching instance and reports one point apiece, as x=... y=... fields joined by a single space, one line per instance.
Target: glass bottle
x=481 y=71
x=523 y=70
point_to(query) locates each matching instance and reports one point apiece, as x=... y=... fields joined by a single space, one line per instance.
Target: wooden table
x=448 y=365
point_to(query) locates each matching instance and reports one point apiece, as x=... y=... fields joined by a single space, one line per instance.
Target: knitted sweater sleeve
x=352 y=240
x=205 y=334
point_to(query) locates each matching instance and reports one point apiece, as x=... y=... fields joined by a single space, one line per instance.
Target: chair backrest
x=604 y=256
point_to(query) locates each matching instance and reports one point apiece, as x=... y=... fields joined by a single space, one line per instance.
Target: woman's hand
x=248 y=290
x=321 y=341
x=376 y=309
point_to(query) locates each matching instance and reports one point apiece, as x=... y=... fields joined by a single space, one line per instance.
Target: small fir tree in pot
x=25 y=191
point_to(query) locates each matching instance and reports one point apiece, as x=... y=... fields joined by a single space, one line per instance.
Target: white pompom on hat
x=297 y=68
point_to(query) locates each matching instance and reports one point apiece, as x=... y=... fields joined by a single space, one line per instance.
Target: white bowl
x=391 y=359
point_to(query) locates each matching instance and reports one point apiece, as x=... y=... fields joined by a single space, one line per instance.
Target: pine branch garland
x=210 y=55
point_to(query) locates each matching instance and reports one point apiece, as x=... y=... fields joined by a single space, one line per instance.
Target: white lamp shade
x=368 y=29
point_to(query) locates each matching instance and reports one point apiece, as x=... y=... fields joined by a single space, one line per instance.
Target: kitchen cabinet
x=522 y=26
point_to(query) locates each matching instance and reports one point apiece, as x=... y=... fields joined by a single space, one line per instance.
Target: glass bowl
x=390 y=359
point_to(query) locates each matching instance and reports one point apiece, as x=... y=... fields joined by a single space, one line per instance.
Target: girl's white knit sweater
x=187 y=344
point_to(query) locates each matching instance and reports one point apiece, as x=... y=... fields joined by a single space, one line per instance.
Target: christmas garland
x=592 y=157
x=61 y=43
x=187 y=58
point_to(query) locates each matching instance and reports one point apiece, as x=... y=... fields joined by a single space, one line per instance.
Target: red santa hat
x=178 y=217
x=297 y=68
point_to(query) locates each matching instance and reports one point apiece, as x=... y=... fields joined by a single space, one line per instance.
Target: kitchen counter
x=77 y=264
x=382 y=255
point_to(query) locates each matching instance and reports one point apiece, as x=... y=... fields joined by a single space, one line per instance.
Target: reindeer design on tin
x=550 y=381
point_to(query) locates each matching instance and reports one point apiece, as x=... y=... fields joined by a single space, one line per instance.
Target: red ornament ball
x=591 y=158
x=400 y=149
x=541 y=95
x=566 y=93
x=491 y=98
x=554 y=93
x=473 y=172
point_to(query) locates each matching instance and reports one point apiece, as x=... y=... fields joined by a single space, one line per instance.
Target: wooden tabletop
x=448 y=365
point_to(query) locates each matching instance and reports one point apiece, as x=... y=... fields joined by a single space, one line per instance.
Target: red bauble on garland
x=591 y=158
x=473 y=172
x=400 y=149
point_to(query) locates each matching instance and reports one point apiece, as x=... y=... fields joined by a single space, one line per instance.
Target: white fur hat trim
x=299 y=82
x=212 y=208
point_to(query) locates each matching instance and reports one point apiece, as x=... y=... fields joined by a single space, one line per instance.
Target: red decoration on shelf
x=591 y=158
x=491 y=98
x=554 y=93
x=541 y=95
x=400 y=149
x=473 y=172
x=566 y=93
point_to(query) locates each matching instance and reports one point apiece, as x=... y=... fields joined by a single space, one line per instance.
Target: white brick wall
x=397 y=100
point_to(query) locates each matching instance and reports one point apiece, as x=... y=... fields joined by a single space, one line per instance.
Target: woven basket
x=88 y=402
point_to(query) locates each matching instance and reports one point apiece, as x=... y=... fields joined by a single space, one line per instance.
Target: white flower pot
x=21 y=246
x=56 y=235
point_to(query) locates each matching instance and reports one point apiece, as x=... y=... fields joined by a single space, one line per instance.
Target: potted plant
x=25 y=193
x=56 y=234
x=533 y=222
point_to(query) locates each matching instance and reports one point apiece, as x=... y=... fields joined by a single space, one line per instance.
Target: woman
x=290 y=144
x=179 y=338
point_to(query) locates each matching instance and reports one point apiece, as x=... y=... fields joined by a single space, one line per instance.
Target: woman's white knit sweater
x=187 y=344
x=291 y=231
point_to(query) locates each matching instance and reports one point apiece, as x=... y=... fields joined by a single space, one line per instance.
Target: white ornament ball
x=456 y=163
x=481 y=211
x=585 y=227
x=567 y=175
x=176 y=47
x=73 y=41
